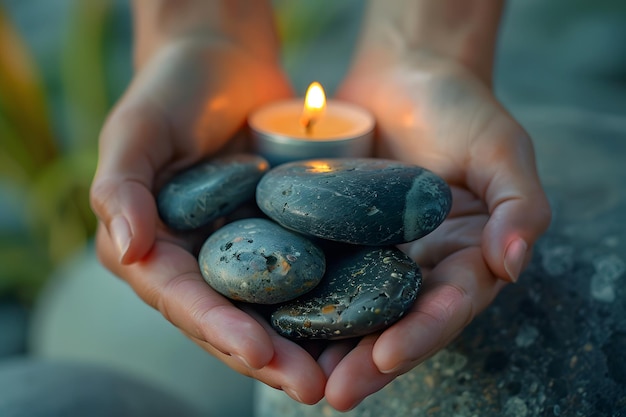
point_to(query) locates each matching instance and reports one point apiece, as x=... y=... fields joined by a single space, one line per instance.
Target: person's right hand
x=188 y=99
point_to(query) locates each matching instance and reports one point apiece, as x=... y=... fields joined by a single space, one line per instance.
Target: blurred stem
x=61 y=205
x=82 y=72
x=16 y=162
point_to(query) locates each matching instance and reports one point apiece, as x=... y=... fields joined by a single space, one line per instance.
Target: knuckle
x=546 y=214
x=164 y=299
x=99 y=195
x=452 y=305
x=180 y=303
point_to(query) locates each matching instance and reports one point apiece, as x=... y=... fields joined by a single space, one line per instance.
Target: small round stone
x=363 y=291
x=205 y=192
x=360 y=201
x=258 y=261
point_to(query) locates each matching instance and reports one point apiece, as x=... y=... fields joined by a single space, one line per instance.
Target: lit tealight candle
x=284 y=131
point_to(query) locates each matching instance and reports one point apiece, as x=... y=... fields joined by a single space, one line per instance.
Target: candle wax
x=339 y=121
x=342 y=130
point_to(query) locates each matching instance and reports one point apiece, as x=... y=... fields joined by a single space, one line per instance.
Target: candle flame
x=314 y=106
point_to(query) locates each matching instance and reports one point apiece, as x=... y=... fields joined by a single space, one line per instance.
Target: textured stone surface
x=205 y=192
x=257 y=261
x=363 y=201
x=364 y=290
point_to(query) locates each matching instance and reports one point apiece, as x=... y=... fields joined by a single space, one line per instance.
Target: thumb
x=505 y=176
x=132 y=148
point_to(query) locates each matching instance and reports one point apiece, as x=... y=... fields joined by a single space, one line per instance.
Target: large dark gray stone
x=364 y=290
x=361 y=201
x=257 y=261
x=202 y=194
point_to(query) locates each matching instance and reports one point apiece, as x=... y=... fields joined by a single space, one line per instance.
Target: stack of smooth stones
x=323 y=260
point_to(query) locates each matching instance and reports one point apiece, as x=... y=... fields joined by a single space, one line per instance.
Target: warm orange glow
x=314 y=105
x=318 y=166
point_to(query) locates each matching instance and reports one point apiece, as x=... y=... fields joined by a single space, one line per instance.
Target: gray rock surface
x=258 y=261
x=363 y=201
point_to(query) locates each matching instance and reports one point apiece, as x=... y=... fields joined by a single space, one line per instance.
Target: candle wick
x=308 y=127
x=308 y=123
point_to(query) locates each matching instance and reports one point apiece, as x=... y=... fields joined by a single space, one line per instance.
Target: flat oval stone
x=361 y=201
x=362 y=292
x=207 y=191
x=257 y=261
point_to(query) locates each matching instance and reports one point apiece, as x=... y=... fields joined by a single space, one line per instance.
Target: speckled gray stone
x=361 y=201
x=202 y=194
x=257 y=261
x=364 y=290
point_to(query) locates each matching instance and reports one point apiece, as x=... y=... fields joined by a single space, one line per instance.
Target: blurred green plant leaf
x=82 y=72
x=56 y=219
x=26 y=128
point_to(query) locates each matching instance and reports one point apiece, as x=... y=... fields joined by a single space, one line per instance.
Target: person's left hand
x=440 y=116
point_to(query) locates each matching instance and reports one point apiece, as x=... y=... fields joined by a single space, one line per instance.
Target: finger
x=291 y=369
x=505 y=176
x=355 y=377
x=462 y=229
x=333 y=354
x=132 y=147
x=455 y=291
x=168 y=278
x=152 y=132
x=451 y=236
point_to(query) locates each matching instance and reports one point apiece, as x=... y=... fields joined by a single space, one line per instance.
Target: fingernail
x=120 y=233
x=292 y=393
x=514 y=258
x=403 y=367
x=243 y=361
x=393 y=370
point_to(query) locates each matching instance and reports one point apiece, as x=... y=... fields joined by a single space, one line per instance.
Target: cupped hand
x=437 y=114
x=186 y=101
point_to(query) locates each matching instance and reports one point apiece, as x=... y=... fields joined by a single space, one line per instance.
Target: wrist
x=243 y=24
x=435 y=33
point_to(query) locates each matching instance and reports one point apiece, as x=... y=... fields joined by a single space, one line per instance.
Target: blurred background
x=62 y=65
